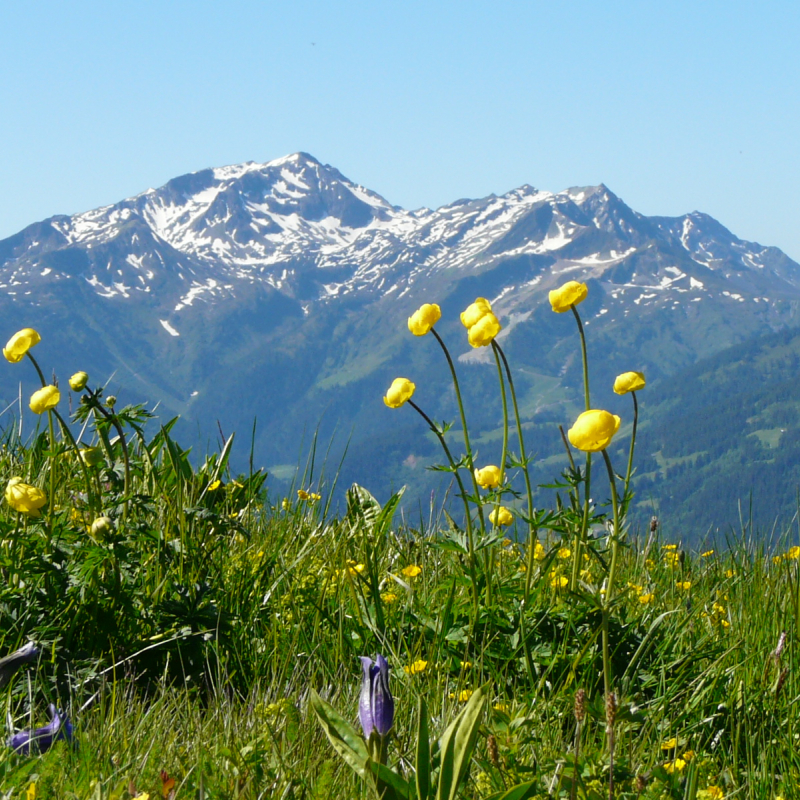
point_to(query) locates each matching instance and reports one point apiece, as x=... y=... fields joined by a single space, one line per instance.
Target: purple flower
x=376 y=704
x=42 y=738
x=11 y=663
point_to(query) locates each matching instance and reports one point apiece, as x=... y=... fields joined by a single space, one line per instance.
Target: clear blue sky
x=675 y=106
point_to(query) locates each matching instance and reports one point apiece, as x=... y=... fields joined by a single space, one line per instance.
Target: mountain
x=281 y=291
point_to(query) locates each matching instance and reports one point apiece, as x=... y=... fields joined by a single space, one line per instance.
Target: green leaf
x=390 y=784
x=456 y=746
x=522 y=791
x=423 y=759
x=384 y=520
x=341 y=734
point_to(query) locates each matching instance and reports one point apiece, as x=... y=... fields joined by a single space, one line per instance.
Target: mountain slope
x=281 y=290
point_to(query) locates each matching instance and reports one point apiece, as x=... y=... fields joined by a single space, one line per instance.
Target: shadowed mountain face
x=281 y=291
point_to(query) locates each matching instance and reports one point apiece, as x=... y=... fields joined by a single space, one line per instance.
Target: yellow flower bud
x=488 y=477
x=92 y=456
x=501 y=516
x=20 y=343
x=400 y=391
x=44 y=399
x=424 y=318
x=24 y=498
x=593 y=430
x=568 y=295
x=484 y=330
x=629 y=382
x=78 y=381
x=474 y=312
x=101 y=527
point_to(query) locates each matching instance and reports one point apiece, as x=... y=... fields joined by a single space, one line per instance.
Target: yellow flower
x=78 y=381
x=389 y=598
x=464 y=695
x=411 y=571
x=568 y=295
x=286 y=504
x=539 y=552
x=793 y=552
x=30 y=792
x=672 y=558
x=314 y=497
x=729 y=573
x=711 y=793
x=466 y=665
x=302 y=494
x=707 y=554
x=501 y=516
x=484 y=331
x=501 y=707
x=418 y=666
x=564 y=553
x=45 y=399
x=19 y=344
x=684 y=585
x=400 y=391
x=629 y=382
x=212 y=487
x=776 y=559
x=670 y=744
x=678 y=765
x=92 y=456
x=688 y=755
x=101 y=527
x=475 y=312
x=424 y=318
x=24 y=498
x=558 y=581
x=488 y=477
x=593 y=430
x=646 y=599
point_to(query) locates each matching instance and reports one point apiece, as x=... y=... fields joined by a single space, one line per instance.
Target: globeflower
x=629 y=382
x=593 y=430
x=484 y=330
x=19 y=344
x=92 y=456
x=376 y=704
x=568 y=295
x=501 y=516
x=488 y=477
x=399 y=392
x=78 y=381
x=24 y=498
x=424 y=318
x=45 y=399
x=481 y=324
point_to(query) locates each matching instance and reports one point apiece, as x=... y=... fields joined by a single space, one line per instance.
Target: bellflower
x=42 y=739
x=376 y=704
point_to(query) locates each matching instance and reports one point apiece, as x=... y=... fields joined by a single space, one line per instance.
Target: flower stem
x=633 y=443
x=609 y=596
x=585 y=358
x=52 y=498
x=532 y=532
x=468 y=516
x=470 y=462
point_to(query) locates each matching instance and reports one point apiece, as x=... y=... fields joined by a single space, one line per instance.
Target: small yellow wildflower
x=793 y=553
x=564 y=553
x=466 y=664
x=30 y=792
x=673 y=559
x=411 y=571
x=302 y=494
x=355 y=569
x=463 y=695
x=389 y=598
x=777 y=559
x=706 y=554
x=684 y=585
x=539 y=552
x=558 y=581
x=688 y=756
x=501 y=707
x=669 y=547
x=286 y=504
x=212 y=487
x=669 y=744
x=646 y=599
x=416 y=667
x=729 y=573
x=678 y=765
x=636 y=587
x=650 y=564
x=711 y=793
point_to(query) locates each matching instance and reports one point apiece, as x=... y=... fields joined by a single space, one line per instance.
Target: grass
x=188 y=624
